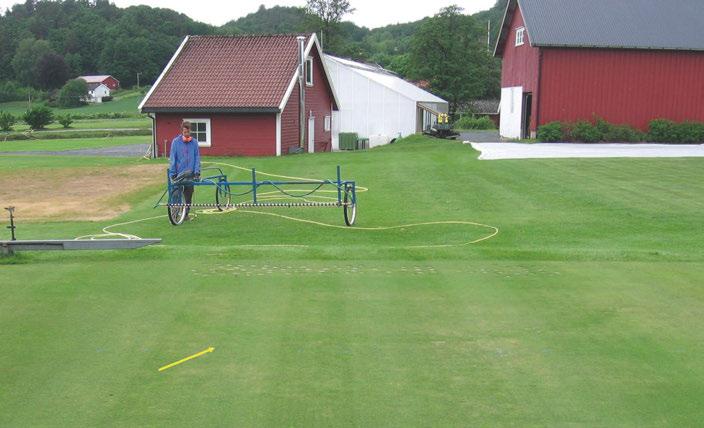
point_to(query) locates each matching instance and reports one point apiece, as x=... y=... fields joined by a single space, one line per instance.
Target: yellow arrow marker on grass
x=168 y=366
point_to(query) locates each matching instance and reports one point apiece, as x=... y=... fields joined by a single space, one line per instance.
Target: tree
x=73 y=93
x=52 y=71
x=449 y=51
x=25 y=63
x=7 y=120
x=38 y=116
x=330 y=13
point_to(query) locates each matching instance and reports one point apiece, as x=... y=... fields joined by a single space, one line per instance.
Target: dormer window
x=309 y=71
x=520 y=33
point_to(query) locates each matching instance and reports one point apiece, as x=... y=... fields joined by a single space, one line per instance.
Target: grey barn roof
x=622 y=24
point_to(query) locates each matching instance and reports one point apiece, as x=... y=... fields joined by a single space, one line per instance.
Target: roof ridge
x=246 y=36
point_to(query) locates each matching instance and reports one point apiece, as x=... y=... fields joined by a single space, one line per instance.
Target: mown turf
x=125 y=101
x=70 y=143
x=585 y=309
x=135 y=123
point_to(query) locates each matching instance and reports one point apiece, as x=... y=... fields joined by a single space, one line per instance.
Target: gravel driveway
x=480 y=136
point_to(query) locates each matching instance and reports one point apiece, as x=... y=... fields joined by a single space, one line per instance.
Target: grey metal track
x=7 y=247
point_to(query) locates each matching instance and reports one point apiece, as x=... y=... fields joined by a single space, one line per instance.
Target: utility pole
x=138 y=80
x=488 y=35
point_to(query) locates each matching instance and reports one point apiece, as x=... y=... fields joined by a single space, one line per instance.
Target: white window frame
x=207 y=130
x=309 y=68
x=520 y=36
x=328 y=121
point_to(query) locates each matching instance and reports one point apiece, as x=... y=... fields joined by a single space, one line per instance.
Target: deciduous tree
x=330 y=13
x=449 y=51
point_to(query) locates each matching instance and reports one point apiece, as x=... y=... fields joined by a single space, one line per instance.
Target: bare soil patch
x=83 y=193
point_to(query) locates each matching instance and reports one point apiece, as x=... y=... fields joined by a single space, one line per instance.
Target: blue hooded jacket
x=184 y=156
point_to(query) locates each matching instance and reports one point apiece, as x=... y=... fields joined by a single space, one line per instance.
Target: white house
x=96 y=92
x=378 y=104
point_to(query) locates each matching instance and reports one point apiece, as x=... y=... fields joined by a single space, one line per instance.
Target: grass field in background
x=584 y=309
x=136 y=123
x=125 y=101
x=70 y=143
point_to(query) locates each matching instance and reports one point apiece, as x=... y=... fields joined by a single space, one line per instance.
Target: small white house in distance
x=378 y=104
x=96 y=92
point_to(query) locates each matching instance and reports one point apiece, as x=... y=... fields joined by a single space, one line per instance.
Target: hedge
x=473 y=122
x=659 y=131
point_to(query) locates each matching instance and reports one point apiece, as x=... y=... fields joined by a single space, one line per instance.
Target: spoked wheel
x=223 y=197
x=349 y=207
x=177 y=206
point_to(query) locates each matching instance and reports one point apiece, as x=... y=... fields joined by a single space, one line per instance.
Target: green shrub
x=473 y=122
x=107 y=99
x=618 y=133
x=585 y=132
x=73 y=93
x=551 y=132
x=662 y=131
x=65 y=120
x=38 y=116
x=7 y=120
x=689 y=132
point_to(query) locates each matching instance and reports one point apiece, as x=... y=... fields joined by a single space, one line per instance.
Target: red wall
x=621 y=86
x=255 y=134
x=289 y=123
x=111 y=83
x=231 y=134
x=318 y=101
x=521 y=64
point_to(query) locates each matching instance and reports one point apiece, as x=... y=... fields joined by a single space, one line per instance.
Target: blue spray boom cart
x=226 y=191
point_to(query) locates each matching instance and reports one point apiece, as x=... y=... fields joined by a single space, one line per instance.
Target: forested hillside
x=44 y=43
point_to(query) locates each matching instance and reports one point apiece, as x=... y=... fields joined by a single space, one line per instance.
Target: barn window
x=327 y=123
x=200 y=130
x=309 y=72
x=520 y=32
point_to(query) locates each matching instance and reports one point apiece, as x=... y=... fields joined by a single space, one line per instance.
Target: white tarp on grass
x=491 y=151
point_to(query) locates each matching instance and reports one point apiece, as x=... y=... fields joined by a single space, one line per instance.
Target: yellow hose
x=274 y=195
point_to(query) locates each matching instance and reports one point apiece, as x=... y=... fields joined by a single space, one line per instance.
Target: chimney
x=302 y=91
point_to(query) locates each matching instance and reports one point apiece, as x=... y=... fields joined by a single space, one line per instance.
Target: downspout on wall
x=154 y=146
x=302 y=92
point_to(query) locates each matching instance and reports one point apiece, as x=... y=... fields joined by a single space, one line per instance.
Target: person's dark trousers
x=188 y=194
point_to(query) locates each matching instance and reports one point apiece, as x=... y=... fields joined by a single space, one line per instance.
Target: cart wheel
x=177 y=207
x=223 y=197
x=350 y=207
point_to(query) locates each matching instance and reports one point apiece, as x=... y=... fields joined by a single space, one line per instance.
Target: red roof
x=227 y=73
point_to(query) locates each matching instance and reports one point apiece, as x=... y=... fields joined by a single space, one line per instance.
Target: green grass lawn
x=125 y=101
x=586 y=308
x=136 y=123
x=70 y=143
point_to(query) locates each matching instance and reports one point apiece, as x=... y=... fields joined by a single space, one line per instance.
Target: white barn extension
x=377 y=104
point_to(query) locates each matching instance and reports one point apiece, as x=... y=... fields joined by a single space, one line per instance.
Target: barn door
x=311 y=134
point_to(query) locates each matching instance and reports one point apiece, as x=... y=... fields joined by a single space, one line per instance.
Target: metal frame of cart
x=226 y=190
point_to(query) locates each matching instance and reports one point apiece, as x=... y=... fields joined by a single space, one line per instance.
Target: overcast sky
x=369 y=13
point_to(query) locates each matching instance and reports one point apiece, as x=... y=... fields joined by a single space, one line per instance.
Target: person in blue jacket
x=184 y=160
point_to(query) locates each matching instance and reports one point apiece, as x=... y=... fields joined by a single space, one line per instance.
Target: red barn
x=626 y=61
x=243 y=96
x=105 y=79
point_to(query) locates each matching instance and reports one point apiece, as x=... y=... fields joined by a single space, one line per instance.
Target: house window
x=200 y=130
x=309 y=72
x=327 y=123
x=520 y=32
